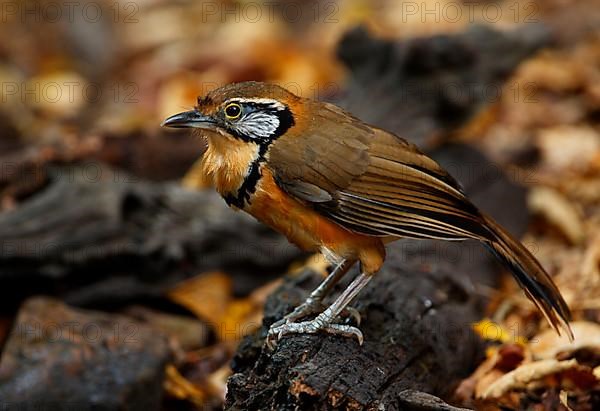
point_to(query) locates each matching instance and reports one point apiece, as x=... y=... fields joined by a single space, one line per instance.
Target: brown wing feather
x=371 y=181
x=405 y=193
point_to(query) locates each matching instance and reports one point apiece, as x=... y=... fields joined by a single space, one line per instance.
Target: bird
x=333 y=184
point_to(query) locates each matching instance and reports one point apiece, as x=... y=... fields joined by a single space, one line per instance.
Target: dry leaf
x=526 y=374
x=569 y=147
x=499 y=361
x=210 y=297
x=206 y=295
x=218 y=381
x=564 y=399
x=559 y=210
x=548 y=344
x=490 y=330
x=177 y=386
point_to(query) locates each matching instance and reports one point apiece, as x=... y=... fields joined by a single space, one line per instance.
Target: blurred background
x=126 y=283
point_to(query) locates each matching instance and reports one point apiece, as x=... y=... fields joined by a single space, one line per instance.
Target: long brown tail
x=530 y=275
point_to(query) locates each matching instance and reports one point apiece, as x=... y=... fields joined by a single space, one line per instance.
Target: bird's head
x=251 y=111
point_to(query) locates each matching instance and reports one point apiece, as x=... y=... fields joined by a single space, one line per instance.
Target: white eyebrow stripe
x=267 y=101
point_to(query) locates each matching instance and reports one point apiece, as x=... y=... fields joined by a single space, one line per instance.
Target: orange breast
x=226 y=162
x=308 y=229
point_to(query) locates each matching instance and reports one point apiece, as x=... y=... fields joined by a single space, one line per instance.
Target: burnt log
x=97 y=237
x=59 y=358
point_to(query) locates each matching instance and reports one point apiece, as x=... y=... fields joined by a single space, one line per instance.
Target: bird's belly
x=308 y=229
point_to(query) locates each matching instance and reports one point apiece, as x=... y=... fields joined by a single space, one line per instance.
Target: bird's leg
x=324 y=321
x=314 y=303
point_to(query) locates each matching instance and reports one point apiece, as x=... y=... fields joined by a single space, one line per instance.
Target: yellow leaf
x=489 y=330
x=177 y=386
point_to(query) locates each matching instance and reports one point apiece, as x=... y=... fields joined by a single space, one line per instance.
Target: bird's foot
x=322 y=323
x=314 y=306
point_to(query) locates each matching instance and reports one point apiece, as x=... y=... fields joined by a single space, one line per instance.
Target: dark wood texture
x=59 y=358
x=100 y=238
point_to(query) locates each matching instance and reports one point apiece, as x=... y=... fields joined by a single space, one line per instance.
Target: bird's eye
x=233 y=111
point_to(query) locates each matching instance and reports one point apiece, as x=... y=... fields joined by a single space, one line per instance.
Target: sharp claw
x=273 y=338
x=359 y=337
x=349 y=331
x=269 y=341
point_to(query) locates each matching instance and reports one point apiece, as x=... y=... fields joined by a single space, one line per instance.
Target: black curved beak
x=189 y=119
